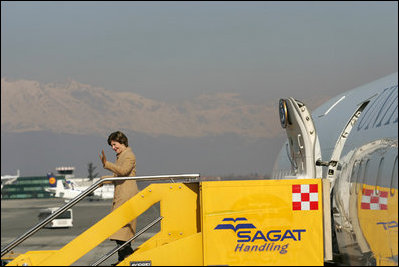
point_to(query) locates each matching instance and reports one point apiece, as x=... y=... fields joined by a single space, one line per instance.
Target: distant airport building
x=28 y=187
x=67 y=172
x=33 y=186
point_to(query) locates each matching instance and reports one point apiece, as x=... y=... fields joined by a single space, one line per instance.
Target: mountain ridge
x=48 y=125
x=87 y=109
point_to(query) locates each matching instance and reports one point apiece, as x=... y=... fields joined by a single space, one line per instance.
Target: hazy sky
x=171 y=51
x=178 y=50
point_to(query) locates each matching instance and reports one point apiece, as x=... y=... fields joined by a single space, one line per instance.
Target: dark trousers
x=124 y=252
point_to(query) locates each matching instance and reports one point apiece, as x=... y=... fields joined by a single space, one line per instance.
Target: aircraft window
x=366 y=172
x=359 y=171
x=352 y=179
x=394 y=177
x=380 y=167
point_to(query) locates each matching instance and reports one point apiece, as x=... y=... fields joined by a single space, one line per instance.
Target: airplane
x=9 y=179
x=351 y=140
x=69 y=189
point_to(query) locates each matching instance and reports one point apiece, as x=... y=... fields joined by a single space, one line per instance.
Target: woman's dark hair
x=118 y=137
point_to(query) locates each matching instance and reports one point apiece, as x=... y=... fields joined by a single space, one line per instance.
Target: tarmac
x=20 y=215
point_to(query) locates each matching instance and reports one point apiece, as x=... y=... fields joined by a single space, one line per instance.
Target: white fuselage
x=356 y=148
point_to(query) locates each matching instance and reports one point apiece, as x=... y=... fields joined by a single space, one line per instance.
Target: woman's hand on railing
x=106 y=182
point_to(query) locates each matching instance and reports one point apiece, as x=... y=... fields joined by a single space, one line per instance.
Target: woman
x=125 y=165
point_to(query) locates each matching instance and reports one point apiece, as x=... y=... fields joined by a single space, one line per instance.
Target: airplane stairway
x=216 y=223
x=179 y=208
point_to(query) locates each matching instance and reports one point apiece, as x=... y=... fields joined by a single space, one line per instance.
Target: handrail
x=117 y=248
x=83 y=194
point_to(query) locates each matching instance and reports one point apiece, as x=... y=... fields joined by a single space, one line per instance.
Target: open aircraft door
x=304 y=147
x=304 y=153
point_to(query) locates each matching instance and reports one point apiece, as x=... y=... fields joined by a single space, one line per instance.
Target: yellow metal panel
x=183 y=252
x=256 y=223
x=95 y=235
x=180 y=210
x=179 y=207
x=179 y=242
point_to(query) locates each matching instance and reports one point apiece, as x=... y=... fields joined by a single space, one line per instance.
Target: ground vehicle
x=64 y=220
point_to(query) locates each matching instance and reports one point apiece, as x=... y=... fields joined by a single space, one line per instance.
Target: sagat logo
x=245 y=234
x=237 y=227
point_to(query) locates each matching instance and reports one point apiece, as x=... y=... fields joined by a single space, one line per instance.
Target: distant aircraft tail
x=51 y=179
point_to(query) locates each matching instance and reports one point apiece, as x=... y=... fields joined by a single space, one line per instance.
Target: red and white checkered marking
x=371 y=200
x=305 y=197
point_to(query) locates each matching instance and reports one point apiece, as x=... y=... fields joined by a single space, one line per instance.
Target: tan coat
x=125 y=165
